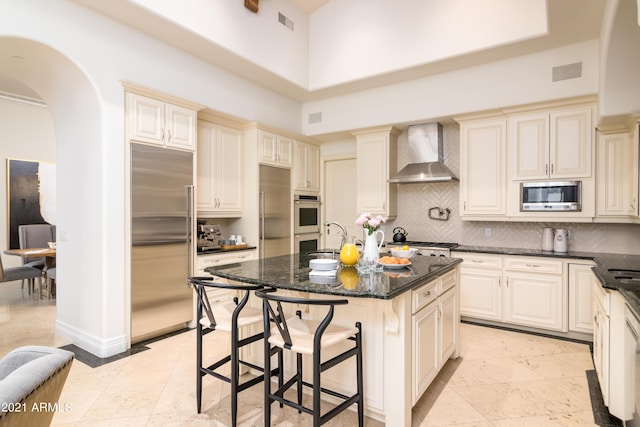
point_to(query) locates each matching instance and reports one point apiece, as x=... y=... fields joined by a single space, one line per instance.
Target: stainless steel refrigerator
x=275 y=211
x=161 y=226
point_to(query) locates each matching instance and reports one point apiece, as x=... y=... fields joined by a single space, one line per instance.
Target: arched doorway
x=77 y=113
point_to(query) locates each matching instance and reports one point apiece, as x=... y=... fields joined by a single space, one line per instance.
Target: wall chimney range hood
x=425 y=156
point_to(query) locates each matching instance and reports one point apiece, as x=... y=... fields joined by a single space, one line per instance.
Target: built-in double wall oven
x=306 y=222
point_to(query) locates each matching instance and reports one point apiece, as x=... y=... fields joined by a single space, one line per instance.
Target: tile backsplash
x=415 y=200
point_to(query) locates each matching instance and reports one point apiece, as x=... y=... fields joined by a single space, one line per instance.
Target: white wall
x=80 y=81
x=353 y=39
x=28 y=134
x=258 y=37
x=620 y=59
x=520 y=80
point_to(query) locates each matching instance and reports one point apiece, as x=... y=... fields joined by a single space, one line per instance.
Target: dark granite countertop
x=292 y=272
x=225 y=251
x=605 y=262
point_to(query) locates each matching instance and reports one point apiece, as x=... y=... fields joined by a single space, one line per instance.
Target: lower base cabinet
x=212 y=260
x=435 y=325
x=530 y=292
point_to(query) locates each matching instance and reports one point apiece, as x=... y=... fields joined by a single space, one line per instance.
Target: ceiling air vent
x=285 y=21
x=315 y=117
x=566 y=72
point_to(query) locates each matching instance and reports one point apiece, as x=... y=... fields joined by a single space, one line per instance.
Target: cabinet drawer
x=480 y=260
x=533 y=265
x=205 y=261
x=423 y=295
x=447 y=281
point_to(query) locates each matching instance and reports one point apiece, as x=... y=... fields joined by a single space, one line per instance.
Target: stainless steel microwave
x=543 y=196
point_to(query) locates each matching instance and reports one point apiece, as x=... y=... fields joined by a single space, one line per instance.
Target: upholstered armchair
x=31 y=381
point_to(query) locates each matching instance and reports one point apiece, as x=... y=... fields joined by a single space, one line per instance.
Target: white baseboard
x=99 y=347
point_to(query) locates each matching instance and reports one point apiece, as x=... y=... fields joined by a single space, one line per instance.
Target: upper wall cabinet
x=275 y=150
x=551 y=144
x=306 y=167
x=157 y=122
x=483 y=167
x=617 y=171
x=376 y=162
x=219 y=188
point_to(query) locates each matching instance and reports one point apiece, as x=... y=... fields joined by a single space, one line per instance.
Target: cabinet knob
x=533 y=265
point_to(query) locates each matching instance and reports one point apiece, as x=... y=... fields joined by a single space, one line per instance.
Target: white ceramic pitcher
x=560 y=237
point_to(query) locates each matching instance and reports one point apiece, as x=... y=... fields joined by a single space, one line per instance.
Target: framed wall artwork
x=30 y=196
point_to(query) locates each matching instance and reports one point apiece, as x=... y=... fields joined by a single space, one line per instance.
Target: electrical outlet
x=487 y=232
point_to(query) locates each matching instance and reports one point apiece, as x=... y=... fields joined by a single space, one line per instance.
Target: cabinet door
x=267 y=148
x=180 y=127
x=228 y=183
x=529 y=146
x=306 y=167
x=617 y=180
x=571 y=142
x=425 y=349
x=375 y=159
x=580 y=298
x=285 y=151
x=481 y=294
x=535 y=300
x=483 y=167
x=146 y=119
x=601 y=348
x=205 y=181
x=449 y=321
x=313 y=168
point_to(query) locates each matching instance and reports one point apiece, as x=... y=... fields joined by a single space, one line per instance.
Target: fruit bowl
x=404 y=253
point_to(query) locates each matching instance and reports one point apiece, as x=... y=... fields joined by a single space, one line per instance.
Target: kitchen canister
x=560 y=240
x=547 y=239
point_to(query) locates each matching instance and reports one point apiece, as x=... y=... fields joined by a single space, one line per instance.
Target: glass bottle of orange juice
x=349 y=252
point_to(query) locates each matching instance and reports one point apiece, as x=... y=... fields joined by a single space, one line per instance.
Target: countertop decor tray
x=233 y=247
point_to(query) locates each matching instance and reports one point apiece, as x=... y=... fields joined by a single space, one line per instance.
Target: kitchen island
x=409 y=321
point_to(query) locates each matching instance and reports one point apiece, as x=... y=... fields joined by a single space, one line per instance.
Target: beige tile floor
x=502 y=378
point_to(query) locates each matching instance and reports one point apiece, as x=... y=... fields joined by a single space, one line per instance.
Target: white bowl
x=408 y=254
x=323 y=264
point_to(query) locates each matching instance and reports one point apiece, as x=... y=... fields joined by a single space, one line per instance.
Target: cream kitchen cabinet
x=535 y=293
x=551 y=144
x=211 y=260
x=306 y=167
x=518 y=290
x=617 y=184
x=219 y=186
x=608 y=347
x=601 y=346
x=483 y=168
x=376 y=162
x=580 y=297
x=481 y=286
x=157 y=122
x=274 y=149
x=435 y=324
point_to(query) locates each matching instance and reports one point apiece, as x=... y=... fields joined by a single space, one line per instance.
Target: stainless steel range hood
x=425 y=155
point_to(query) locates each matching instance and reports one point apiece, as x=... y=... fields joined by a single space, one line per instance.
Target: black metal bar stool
x=228 y=316
x=308 y=337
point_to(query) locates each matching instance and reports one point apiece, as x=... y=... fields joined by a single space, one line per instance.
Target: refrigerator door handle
x=190 y=209
x=262 y=224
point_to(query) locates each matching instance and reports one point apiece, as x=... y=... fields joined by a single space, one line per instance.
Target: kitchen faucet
x=342 y=229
